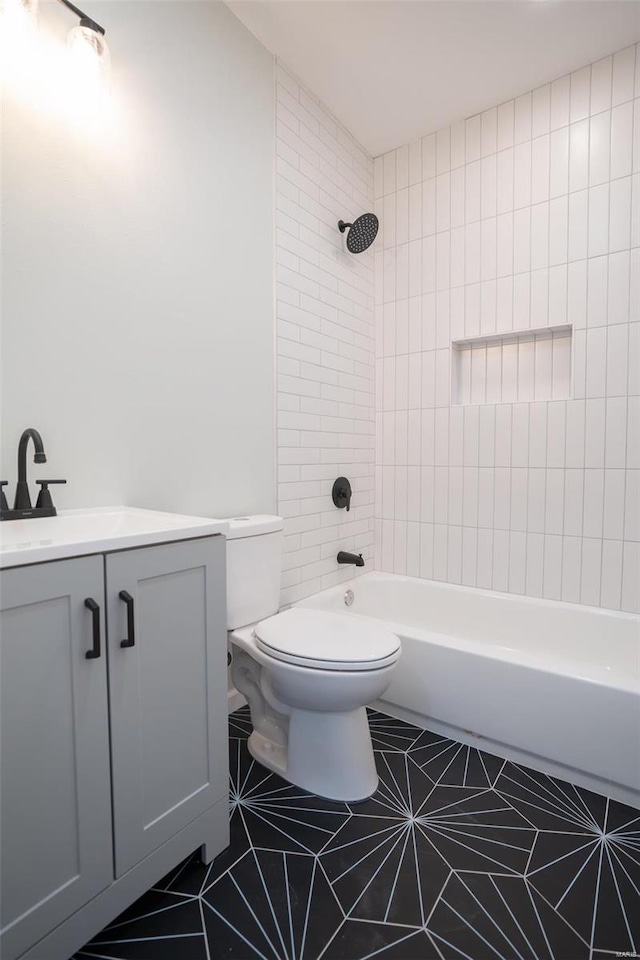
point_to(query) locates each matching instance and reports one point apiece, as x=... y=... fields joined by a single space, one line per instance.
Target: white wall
x=325 y=343
x=137 y=297
x=524 y=217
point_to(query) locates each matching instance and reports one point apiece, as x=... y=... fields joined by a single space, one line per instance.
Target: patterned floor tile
x=593 y=879
x=158 y=927
x=455 y=764
x=457 y=855
x=485 y=917
x=551 y=804
x=384 y=941
x=384 y=869
x=281 y=904
x=388 y=733
x=276 y=815
x=391 y=860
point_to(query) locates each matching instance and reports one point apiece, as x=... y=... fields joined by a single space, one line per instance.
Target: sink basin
x=75 y=533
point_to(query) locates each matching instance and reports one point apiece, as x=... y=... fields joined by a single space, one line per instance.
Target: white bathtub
x=553 y=685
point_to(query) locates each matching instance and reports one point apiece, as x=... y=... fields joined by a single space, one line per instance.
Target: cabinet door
x=55 y=794
x=167 y=690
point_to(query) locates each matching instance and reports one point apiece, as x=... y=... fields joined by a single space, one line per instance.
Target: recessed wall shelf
x=518 y=365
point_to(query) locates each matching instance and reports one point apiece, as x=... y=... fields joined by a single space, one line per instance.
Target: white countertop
x=76 y=533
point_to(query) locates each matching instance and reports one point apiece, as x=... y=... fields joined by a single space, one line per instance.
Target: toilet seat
x=326 y=641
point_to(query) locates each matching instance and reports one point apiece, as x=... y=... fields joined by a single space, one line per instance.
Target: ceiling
x=393 y=70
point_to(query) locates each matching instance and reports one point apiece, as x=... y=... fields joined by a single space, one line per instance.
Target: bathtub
x=552 y=685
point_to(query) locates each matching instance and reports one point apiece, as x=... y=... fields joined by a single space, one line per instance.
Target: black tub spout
x=355 y=559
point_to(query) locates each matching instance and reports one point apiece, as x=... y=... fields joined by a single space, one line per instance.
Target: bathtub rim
x=567 y=605
x=596 y=675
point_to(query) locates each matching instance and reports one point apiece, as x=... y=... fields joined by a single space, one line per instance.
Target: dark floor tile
x=356 y=940
x=190 y=880
x=384 y=869
x=617 y=919
x=622 y=819
x=388 y=733
x=486 y=917
x=593 y=881
x=281 y=903
x=454 y=764
x=173 y=876
x=156 y=914
x=171 y=948
x=564 y=869
x=497 y=860
x=551 y=804
x=476 y=830
x=160 y=926
x=238 y=846
x=402 y=787
x=148 y=905
x=227 y=941
x=276 y=815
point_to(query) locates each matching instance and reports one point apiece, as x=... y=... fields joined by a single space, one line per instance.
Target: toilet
x=306 y=674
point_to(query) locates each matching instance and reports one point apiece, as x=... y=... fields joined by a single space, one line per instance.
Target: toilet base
x=328 y=754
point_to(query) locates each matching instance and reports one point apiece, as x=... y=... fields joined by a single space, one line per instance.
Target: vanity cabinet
x=112 y=764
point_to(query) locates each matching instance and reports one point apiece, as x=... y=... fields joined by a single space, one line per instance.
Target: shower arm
x=85 y=21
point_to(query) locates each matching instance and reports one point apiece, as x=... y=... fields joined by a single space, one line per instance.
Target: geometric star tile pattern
x=458 y=854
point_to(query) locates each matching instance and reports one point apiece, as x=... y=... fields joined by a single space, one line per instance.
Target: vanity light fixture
x=86 y=42
x=20 y=14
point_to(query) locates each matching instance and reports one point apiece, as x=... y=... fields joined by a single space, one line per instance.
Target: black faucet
x=23 y=500
x=356 y=560
x=22 y=508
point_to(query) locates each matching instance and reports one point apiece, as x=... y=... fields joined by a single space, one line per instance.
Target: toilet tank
x=254 y=562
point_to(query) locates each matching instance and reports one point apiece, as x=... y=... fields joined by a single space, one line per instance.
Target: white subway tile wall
x=524 y=217
x=325 y=339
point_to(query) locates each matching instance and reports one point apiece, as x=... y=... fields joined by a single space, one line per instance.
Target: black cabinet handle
x=94 y=653
x=131 y=629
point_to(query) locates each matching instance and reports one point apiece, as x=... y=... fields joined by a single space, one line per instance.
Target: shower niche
x=510 y=367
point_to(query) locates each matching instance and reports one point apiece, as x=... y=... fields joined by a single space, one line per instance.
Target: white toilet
x=306 y=674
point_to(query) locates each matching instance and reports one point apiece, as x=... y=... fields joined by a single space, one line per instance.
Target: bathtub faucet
x=350 y=558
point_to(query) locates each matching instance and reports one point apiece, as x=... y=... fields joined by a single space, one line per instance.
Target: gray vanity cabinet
x=114 y=766
x=55 y=801
x=169 y=753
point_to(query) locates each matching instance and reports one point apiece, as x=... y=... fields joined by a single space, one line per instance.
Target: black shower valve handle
x=341 y=493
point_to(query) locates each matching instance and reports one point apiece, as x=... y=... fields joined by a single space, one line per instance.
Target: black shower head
x=362 y=232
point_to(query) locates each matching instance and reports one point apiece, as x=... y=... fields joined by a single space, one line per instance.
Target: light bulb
x=19 y=41
x=18 y=16
x=89 y=54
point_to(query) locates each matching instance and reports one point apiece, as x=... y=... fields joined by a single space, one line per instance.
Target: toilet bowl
x=307 y=675
x=308 y=700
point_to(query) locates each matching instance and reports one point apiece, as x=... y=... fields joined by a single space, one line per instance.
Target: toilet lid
x=327 y=641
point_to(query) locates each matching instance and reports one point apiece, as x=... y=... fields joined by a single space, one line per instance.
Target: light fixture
x=18 y=16
x=88 y=46
x=86 y=41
